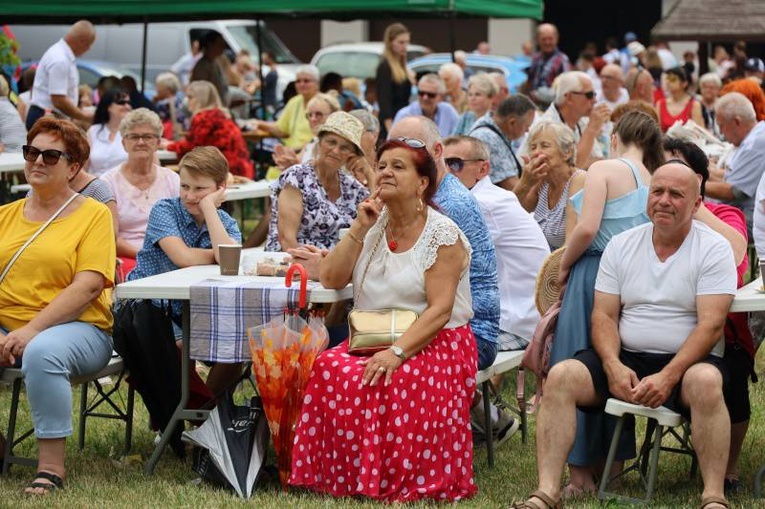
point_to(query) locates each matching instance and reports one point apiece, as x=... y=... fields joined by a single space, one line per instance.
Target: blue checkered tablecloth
x=222 y=311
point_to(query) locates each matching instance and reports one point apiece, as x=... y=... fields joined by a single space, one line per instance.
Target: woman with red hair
x=751 y=91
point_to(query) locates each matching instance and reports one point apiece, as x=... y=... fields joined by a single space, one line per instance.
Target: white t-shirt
x=104 y=154
x=659 y=298
x=397 y=280
x=521 y=249
x=624 y=97
x=56 y=75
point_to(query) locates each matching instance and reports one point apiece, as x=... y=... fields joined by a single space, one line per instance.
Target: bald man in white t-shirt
x=661 y=297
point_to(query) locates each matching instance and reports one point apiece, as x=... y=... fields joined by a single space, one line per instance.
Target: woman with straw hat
x=311 y=202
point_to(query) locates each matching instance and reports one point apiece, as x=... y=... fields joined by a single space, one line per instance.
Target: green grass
x=99 y=477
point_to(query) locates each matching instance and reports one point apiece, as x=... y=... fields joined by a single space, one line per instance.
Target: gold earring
x=420 y=205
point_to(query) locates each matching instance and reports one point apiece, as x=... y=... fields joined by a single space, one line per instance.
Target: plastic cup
x=229 y=254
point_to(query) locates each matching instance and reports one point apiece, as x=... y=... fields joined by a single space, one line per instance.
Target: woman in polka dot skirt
x=396 y=426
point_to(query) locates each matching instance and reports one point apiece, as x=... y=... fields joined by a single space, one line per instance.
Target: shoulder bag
x=371 y=331
x=35 y=235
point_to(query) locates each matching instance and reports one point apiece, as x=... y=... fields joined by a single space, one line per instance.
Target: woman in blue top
x=613 y=200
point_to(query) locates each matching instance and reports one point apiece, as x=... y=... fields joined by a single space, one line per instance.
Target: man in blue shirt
x=431 y=105
x=455 y=200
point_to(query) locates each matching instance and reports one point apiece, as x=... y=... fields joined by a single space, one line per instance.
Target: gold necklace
x=393 y=243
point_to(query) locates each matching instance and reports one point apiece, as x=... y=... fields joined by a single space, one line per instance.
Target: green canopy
x=123 y=11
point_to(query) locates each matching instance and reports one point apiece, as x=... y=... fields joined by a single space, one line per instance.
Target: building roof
x=713 y=20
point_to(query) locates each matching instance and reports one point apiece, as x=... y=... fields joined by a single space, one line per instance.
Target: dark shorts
x=739 y=365
x=644 y=364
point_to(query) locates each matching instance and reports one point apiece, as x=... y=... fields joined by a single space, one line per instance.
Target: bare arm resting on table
x=289 y=211
x=66 y=307
x=184 y=256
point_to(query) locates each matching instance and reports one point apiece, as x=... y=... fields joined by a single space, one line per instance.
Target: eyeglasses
x=589 y=95
x=122 y=102
x=429 y=95
x=50 y=156
x=412 y=142
x=318 y=114
x=457 y=164
x=142 y=137
x=304 y=80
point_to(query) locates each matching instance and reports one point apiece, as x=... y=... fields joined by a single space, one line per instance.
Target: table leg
x=181 y=412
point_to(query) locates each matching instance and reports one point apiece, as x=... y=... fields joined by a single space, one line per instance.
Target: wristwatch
x=398 y=352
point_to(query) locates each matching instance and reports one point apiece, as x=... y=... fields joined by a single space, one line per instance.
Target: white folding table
x=176 y=285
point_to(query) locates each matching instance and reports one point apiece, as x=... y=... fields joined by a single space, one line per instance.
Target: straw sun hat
x=345 y=125
x=547 y=288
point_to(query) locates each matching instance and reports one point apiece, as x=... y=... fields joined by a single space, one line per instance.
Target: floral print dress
x=322 y=218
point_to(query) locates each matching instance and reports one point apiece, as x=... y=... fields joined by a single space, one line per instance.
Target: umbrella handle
x=303 y=282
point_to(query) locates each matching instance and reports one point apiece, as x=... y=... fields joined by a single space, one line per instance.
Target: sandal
x=548 y=502
x=714 y=500
x=55 y=483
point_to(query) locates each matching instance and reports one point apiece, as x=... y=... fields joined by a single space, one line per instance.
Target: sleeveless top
x=397 y=280
x=666 y=118
x=553 y=221
x=620 y=213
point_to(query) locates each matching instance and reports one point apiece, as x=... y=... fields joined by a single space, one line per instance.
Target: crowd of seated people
x=451 y=217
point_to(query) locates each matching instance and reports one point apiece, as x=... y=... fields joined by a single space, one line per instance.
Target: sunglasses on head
x=457 y=164
x=588 y=95
x=412 y=142
x=50 y=156
x=429 y=95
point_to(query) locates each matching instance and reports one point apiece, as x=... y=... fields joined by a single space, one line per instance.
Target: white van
x=166 y=43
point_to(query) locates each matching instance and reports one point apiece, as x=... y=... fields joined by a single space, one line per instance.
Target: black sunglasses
x=457 y=164
x=50 y=156
x=588 y=95
x=430 y=95
x=122 y=102
x=412 y=142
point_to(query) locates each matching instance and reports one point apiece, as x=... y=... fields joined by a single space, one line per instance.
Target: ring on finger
x=381 y=368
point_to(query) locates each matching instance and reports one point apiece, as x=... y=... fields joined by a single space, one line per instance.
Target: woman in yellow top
x=55 y=317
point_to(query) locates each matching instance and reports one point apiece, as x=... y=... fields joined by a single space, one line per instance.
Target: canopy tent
x=124 y=11
x=709 y=20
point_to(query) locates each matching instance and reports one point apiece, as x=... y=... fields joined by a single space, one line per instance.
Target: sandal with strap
x=714 y=500
x=55 y=483
x=546 y=499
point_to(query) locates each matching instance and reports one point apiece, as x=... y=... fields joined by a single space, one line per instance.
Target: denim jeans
x=487 y=352
x=49 y=361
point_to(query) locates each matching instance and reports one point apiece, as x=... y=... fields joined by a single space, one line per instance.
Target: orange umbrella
x=283 y=352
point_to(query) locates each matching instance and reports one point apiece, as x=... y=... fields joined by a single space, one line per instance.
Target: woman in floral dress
x=311 y=202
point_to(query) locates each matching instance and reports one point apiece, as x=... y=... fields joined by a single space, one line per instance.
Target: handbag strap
x=36 y=234
x=369 y=262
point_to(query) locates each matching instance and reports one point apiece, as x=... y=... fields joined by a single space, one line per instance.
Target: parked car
x=356 y=60
x=166 y=43
x=91 y=71
x=513 y=70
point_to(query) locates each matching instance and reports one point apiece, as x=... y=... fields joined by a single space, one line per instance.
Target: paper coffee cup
x=229 y=255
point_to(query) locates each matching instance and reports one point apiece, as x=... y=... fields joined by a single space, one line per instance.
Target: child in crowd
x=187 y=230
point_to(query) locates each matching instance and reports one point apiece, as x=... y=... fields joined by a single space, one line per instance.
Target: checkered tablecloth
x=222 y=311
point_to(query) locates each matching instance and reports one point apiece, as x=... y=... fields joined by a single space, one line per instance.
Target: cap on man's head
x=754 y=65
x=629 y=37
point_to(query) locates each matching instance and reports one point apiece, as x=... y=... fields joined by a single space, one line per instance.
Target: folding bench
x=103 y=396
x=505 y=361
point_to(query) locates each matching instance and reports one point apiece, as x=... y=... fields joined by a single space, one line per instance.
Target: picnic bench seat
x=505 y=361
x=105 y=395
